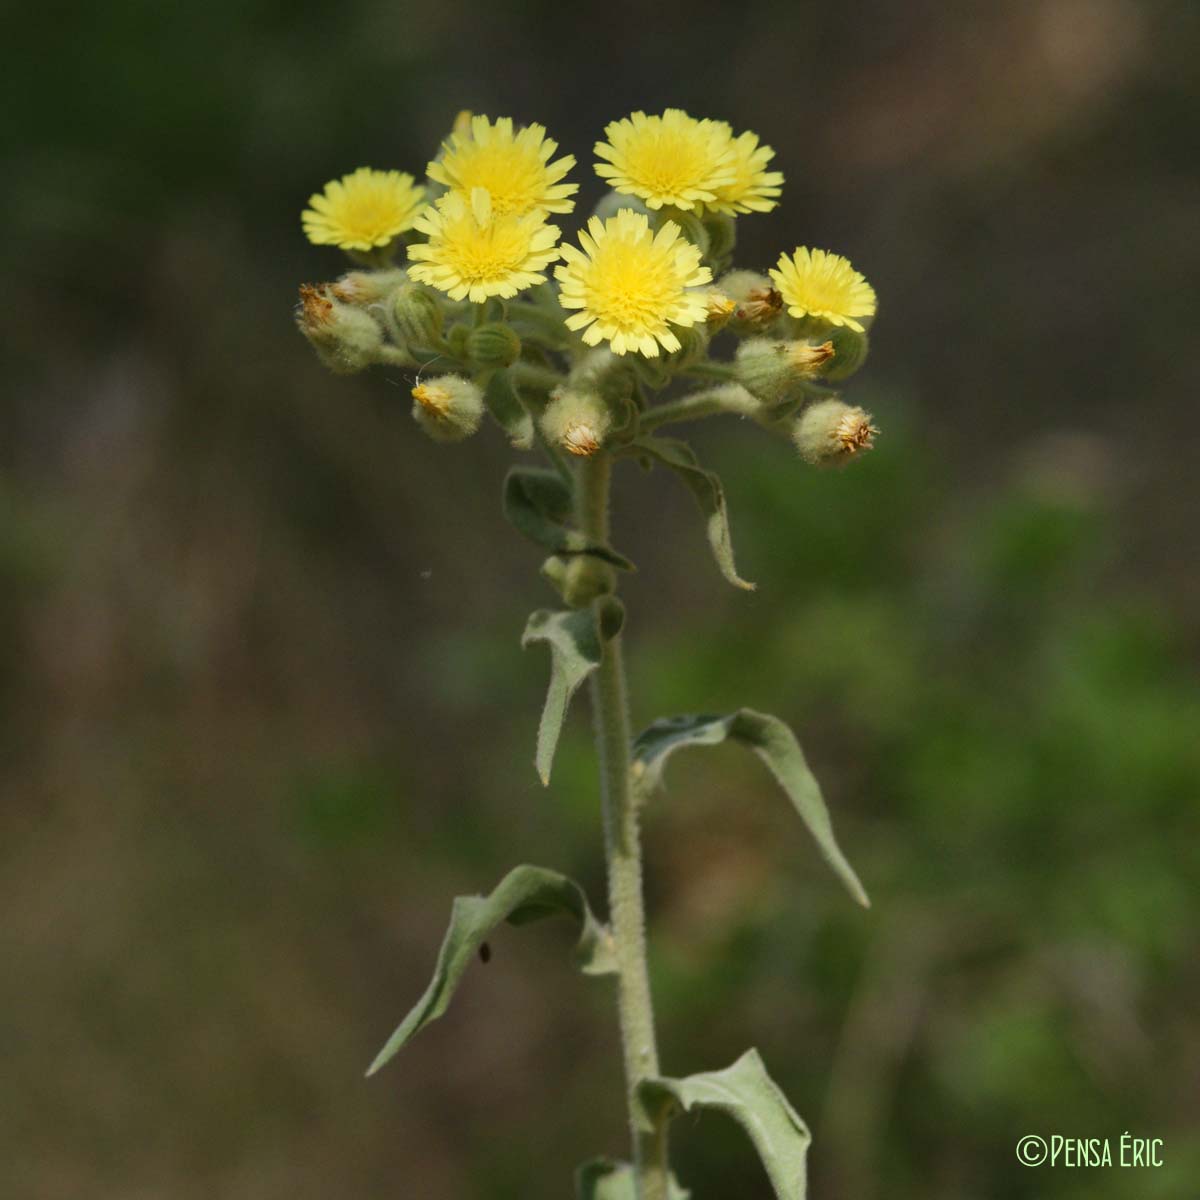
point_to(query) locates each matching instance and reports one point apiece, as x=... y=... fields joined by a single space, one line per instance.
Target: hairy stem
x=622 y=843
x=704 y=403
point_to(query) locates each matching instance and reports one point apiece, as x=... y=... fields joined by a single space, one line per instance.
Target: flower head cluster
x=481 y=294
x=631 y=284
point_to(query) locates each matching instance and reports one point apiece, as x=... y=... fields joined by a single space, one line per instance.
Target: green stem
x=712 y=370
x=698 y=404
x=622 y=844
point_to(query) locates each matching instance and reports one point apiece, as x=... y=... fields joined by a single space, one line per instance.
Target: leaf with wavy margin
x=773 y=742
x=525 y=894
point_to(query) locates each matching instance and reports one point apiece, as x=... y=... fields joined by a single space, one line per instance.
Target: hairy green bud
x=578 y=422
x=722 y=235
x=830 y=433
x=367 y=287
x=690 y=226
x=849 y=352
x=579 y=578
x=493 y=345
x=603 y=374
x=611 y=203
x=417 y=315
x=346 y=338
x=448 y=407
x=773 y=371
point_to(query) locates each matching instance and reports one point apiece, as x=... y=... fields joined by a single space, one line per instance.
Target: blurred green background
x=264 y=707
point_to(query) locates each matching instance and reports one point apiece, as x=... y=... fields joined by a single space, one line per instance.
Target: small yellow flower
x=514 y=167
x=473 y=253
x=363 y=210
x=631 y=284
x=753 y=188
x=819 y=284
x=669 y=159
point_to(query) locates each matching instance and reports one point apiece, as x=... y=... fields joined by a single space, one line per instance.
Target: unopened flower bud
x=493 y=345
x=611 y=203
x=448 y=407
x=690 y=226
x=722 y=235
x=830 y=433
x=756 y=300
x=849 y=351
x=346 y=338
x=576 y=421
x=693 y=345
x=579 y=578
x=774 y=371
x=417 y=315
x=603 y=373
x=367 y=287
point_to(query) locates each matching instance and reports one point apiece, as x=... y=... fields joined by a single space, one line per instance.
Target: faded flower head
x=631 y=284
x=514 y=167
x=576 y=421
x=815 y=283
x=473 y=252
x=363 y=210
x=831 y=433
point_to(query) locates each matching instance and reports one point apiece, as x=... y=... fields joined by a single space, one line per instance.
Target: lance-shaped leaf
x=775 y=744
x=576 y=640
x=746 y=1093
x=525 y=894
x=603 y=1179
x=510 y=414
x=539 y=504
x=710 y=495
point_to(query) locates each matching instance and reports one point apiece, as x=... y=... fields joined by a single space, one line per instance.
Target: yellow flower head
x=672 y=159
x=631 y=284
x=753 y=188
x=473 y=253
x=363 y=210
x=514 y=167
x=815 y=283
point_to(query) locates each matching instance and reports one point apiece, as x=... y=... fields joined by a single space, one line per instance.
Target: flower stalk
x=623 y=855
x=586 y=362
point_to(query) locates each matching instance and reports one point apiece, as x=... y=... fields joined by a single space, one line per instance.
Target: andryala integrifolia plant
x=452 y=284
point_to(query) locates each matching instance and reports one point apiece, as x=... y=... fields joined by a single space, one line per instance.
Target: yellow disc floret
x=631 y=284
x=669 y=159
x=815 y=283
x=474 y=253
x=363 y=210
x=753 y=188
x=514 y=167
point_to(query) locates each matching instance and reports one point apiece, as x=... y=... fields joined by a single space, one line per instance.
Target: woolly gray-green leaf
x=576 y=640
x=539 y=504
x=746 y=1093
x=525 y=894
x=603 y=1179
x=775 y=744
x=709 y=494
x=506 y=407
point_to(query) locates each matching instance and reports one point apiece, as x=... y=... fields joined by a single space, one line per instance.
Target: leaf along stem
x=622 y=843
